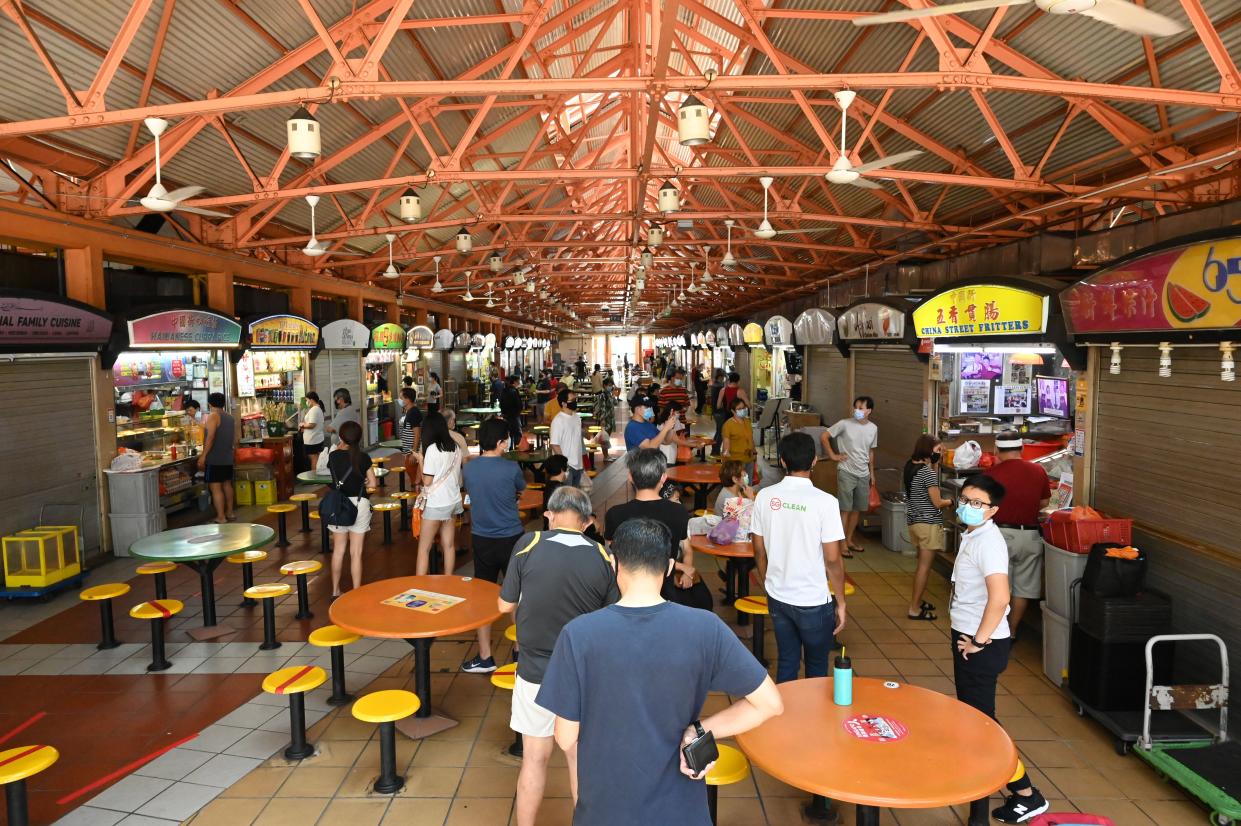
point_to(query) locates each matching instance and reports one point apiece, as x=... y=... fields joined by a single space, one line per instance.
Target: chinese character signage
x=1192 y=287
x=388 y=337
x=981 y=310
x=36 y=322
x=283 y=332
x=421 y=338
x=871 y=321
x=184 y=328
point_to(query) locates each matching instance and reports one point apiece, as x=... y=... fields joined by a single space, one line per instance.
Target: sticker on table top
x=427 y=602
x=890 y=684
x=876 y=727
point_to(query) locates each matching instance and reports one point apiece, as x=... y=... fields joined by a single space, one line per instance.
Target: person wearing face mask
x=926 y=524
x=565 y=435
x=675 y=391
x=858 y=437
x=345 y=412
x=605 y=413
x=735 y=483
x=980 y=634
x=738 y=436
x=641 y=430
x=724 y=398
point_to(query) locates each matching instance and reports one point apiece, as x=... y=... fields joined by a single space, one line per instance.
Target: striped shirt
x=410 y=421
x=920 y=509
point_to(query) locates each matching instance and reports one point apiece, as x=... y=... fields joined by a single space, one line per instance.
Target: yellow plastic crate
x=243 y=492
x=265 y=492
x=39 y=557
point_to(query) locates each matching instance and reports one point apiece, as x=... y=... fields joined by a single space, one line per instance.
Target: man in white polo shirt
x=797 y=533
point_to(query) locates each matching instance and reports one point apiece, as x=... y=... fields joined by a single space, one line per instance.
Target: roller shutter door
x=896 y=380
x=340 y=368
x=742 y=367
x=47 y=446
x=826 y=382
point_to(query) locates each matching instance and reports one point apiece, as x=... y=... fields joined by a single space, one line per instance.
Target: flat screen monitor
x=1053 y=396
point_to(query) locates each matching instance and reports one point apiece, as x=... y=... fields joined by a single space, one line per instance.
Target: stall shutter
x=826 y=382
x=742 y=368
x=340 y=368
x=896 y=380
x=47 y=446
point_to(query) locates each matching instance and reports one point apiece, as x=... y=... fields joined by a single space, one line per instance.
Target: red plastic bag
x=875 y=499
x=1070 y=819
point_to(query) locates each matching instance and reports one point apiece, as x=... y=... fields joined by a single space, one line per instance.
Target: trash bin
x=1062 y=569
x=1056 y=635
x=895 y=532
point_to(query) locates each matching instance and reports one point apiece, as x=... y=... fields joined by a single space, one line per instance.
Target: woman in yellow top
x=738 y=436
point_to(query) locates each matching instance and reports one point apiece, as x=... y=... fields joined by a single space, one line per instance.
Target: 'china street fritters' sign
x=981 y=310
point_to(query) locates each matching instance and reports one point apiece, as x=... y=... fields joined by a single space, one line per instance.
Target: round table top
x=480 y=410
x=392 y=443
x=202 y=542
x=362 y=611
x=314 y=477
x=738 y=550
x=699 y=441
x=950 y=754
x=530 y=456
x=696 y=474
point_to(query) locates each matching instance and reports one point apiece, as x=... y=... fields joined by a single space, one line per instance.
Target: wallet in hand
x=702 y=751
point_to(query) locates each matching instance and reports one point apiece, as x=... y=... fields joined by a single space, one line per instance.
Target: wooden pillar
x=394 y=312
x=354 y=305
x=420 y=315
x=300 y=302
x=84 y=276
x=220 y=292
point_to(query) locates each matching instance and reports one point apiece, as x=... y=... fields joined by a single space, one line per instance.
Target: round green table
x=203 y=548
x=315 y=477
x=392 y=443
x=481 y=411
x=533 y=458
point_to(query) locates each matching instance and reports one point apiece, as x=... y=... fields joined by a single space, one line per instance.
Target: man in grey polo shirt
x=857 y=438
x=553 y=577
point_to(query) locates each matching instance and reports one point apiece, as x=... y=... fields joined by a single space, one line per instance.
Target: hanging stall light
x=495 y=262
x=1227 y=364
x=410 y=207
x=655 y=236
x=391 y=271
x=464 y=242
x=1165 y=359
x=1114 y=367
x=305 y=140
x=648 y=258
x=437 y=287
x=669 y=199
x=693 y=122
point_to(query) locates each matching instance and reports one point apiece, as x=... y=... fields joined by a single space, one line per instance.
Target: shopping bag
x=725 y=533
x=321 y=463
x=415 y=522
x=967 y=456
x=875 y=499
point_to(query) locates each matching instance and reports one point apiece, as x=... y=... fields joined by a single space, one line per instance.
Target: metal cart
x=1209 y=770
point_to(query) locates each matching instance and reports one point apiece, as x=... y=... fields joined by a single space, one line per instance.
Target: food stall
x=382 y=379
x=1160 y=419
x=339 y=365
x=418 y=343
x=159 y=360
x=825 y=372
x=272 y=373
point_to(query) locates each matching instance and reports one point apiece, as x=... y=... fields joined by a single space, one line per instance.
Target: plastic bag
x=875 y=499
x=741 y=509
x=967 y=455
x=725 y=533
x=321 y=462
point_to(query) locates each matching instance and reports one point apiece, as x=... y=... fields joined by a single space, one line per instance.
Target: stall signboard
x=135 y=369
x=33 y=322
x=814 y=327
x=283 y=332
x=509 y=342
x=981 y=310
x=489 y=341
x=873 y=322
x=721 y=336
x=346 y=334
x=183 y=328
x=752 y=334
x=462 y=340
x=1193 y=287
x=388 y=336
x=735 y=336
x=477 y=341
x=779 y=331
x=419 y=338
x=442 y=340
x=709 y=338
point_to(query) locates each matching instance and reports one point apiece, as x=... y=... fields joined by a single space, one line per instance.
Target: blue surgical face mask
x=859 y=414
x=971 y=516
x=648 y=414
x=678 y=382
x=745 y=480
x=742 y=412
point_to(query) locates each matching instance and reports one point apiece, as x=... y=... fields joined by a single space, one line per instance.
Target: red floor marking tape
x=29 y=751
x=302 y=673
x=123 y=770
x=34 y=719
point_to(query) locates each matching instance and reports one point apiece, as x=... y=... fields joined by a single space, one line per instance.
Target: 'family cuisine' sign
x=35 y=322
x=982 y=310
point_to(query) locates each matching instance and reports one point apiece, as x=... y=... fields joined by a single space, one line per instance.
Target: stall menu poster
x=975 y=396
x=427 y=602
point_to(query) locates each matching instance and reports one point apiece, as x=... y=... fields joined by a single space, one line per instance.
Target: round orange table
x=362 y=611
x=697 y=479
x=738 y=560
x=948 y=752
x=700 y=444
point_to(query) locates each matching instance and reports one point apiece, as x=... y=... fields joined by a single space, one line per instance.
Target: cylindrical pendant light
x=655 y=236
x=648 y=258
x=303 y=134
x=669 y=198
x=411 y=207
x=693 y=122
x=464 y=242
x=495 y=262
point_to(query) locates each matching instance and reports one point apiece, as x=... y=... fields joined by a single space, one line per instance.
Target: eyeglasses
x=974 y=503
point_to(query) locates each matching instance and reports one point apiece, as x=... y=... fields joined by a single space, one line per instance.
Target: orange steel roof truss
x=545 y=128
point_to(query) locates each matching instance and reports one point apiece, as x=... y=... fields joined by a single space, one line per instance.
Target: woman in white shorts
x=441 y=487
x=351 y=468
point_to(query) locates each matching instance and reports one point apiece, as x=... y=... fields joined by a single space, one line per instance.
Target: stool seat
x=281 y=507
x=25 y=761
x=295 y=679
x=731 y=767
x=303 y=497
x=157 y=609
x=110 y=590
x=156 y=568
x=381 y=472
x=751 y=605
x=247 y=557
x=405 y=494
x=541 y=428
x=702 y=512
x=505 y=676
x=269 y=591
x=850 y=588
x=385 y=506
x=315 y=515
x=330 y=636
x=386 y=706
x=535 y=486
x=301 y=566
x=510 y=633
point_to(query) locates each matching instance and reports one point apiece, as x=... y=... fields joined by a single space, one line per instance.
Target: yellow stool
x=505 y=677
x=850 y=587
x=15 y=766
x=268 y=594
x=304 y=499
x=104 y=594
x=386 y=508
x=282 y=510
x=335 y=639
x=159 y=570
x=301 y=569
x=157 y=612
x=295 y=681
x=325 y=541
x=405 y=498
x=757 y=608
x=246 y=560
x=510 y=633
x=730 y=767
x=385 y=708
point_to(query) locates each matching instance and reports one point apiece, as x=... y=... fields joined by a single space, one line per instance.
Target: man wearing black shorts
x=493 y=484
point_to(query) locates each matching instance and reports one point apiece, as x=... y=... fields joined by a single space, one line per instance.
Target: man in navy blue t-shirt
x=627 y=683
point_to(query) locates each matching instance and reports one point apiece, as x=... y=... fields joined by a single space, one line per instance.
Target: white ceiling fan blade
x=184 y=193
x=210 y=213
x=890 y=160
x=344 y=252
x=1133 y=19
x=865 y=184
x=803 y=230
x=935 y=11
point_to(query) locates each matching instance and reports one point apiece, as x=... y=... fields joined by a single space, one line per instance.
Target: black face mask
x=935 y=457
x=572 y=405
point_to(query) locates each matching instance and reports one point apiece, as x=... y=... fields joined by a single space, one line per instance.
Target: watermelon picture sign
x=1189 y=287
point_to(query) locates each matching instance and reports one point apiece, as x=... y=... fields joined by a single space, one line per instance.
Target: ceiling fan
x=1119 y=13
x=765 y=231
x=159 y=199
x=316 y=248
x=843 y=171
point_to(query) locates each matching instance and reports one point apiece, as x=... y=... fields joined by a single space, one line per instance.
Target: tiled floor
x=105 y=714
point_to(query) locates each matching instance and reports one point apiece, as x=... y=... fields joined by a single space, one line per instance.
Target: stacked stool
x=301 y=569
x=295 y=681
x=160 y=571
x=268 y=594
x=335 y=639
x=385 y=708
x=157 y=612
x=104 y=594
x=246 y=560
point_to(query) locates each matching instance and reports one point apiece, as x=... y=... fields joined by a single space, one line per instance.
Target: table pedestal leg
x=820 y=809
x=424 y=723
x=305 y=516
x=980 y=812
x=405 y=514
x=867 y=816
x=206 y=578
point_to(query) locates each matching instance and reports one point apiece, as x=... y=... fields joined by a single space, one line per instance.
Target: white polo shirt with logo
x=795 y=518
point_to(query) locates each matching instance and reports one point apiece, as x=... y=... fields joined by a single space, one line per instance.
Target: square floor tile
x=129 y=794
x=179 y=801
x=250 y=715
x=147 y=820
x=223 y=770
x=259 y=744
x=216 y=738
x=224 y=811
x=90 y=816
x=174 y=765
